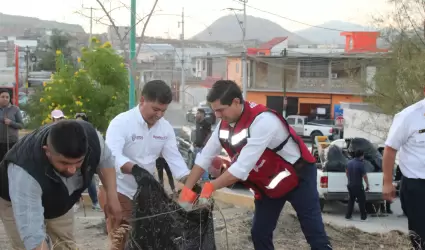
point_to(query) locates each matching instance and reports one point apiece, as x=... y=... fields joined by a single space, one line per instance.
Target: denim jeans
x=205 y=176
x=92 y=191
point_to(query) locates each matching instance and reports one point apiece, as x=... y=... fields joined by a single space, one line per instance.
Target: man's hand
x=113 y=206
x=187 y=198
x=7 y=121
x=367 y=189
x=388 y=191
x=127 y=167
x=207 y=191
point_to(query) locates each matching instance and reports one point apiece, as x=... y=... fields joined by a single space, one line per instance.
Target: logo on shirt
x=162 y=138
x=136 y=137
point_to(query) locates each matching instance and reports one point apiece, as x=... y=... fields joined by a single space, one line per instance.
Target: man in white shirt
x=407 y=136
x=268 y=157
x=137 y=138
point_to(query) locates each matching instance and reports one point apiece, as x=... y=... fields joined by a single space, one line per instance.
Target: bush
x=99 y=88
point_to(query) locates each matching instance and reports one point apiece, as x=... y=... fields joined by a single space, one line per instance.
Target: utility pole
x=284 y=80
x=91 y=26
x=182 y=83
x=91 y=23
x=132 y=66
x=244 y=64
x=27 y=59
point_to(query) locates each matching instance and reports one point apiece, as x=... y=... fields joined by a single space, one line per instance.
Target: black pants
x=356 y=193
x=412 y=197
x=4 y=148
x=162 y=165
x=305 y=200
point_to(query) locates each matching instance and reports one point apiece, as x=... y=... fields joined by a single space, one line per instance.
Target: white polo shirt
x=130 y=140
x=407 y=135
x=266 y=131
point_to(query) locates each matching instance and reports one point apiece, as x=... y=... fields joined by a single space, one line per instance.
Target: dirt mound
x=288 y=235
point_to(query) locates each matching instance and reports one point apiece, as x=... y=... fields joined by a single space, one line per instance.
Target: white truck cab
x=310 y=129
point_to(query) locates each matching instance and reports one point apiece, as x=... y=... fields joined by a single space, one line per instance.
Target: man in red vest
x=268 y=157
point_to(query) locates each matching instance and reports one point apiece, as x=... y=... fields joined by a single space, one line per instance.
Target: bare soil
x=288 y=236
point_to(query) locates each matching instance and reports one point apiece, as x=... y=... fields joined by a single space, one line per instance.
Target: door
x=292 y=121
x=275 y=103
x=299 y=126
x=292 y=106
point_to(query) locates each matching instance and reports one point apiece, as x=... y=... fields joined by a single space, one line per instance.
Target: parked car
x=184 y=137
x=209 y=114
x=332 y=185
x=312 y=129
x=25 y=117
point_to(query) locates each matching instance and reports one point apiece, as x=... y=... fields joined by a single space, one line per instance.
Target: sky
x=198 y=15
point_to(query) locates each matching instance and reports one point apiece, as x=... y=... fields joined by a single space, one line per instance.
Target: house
x=210 y=66
x=191 y=53
x=311 y=78
x=272 y=47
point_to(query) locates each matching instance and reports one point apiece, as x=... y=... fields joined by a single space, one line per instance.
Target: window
x=204 y=64
x=315 y=68
x=300 y=121
x=291 y=121
x=237 y=67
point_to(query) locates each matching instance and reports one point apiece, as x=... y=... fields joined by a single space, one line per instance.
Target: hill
x=227 y=29
x=329 y=36
x=11 y=25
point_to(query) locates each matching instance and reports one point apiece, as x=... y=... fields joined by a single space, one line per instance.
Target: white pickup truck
x=332 y=186
x=311 y=129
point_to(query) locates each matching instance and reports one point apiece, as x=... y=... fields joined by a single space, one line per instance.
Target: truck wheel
x=372 y=207
x=322 y=204
x=314 y=134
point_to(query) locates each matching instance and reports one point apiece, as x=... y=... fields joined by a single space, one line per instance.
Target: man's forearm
x=366 y=180
x=108 y=178
x=224 y=180
x=194 y=176
x=388 y=164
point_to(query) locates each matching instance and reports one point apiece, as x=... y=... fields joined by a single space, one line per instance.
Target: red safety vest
x=272 y=176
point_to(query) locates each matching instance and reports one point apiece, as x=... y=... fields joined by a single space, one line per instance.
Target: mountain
x=227 y=29
x=329 y=36
x=11 y=25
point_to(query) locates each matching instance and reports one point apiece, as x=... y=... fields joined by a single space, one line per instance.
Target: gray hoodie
x=14 y=114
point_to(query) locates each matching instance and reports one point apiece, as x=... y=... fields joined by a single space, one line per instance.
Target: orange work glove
x=206 y=193
x=187 y=197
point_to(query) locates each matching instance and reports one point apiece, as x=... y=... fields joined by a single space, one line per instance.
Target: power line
x=287 y=18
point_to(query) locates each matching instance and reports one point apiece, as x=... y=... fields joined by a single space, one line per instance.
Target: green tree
x=58 y=41
x=99 y=88
x=400 y=79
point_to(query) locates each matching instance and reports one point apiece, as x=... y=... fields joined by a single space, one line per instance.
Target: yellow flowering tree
x=98 y=87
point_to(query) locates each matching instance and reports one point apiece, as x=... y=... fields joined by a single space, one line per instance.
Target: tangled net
x=160 y=223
